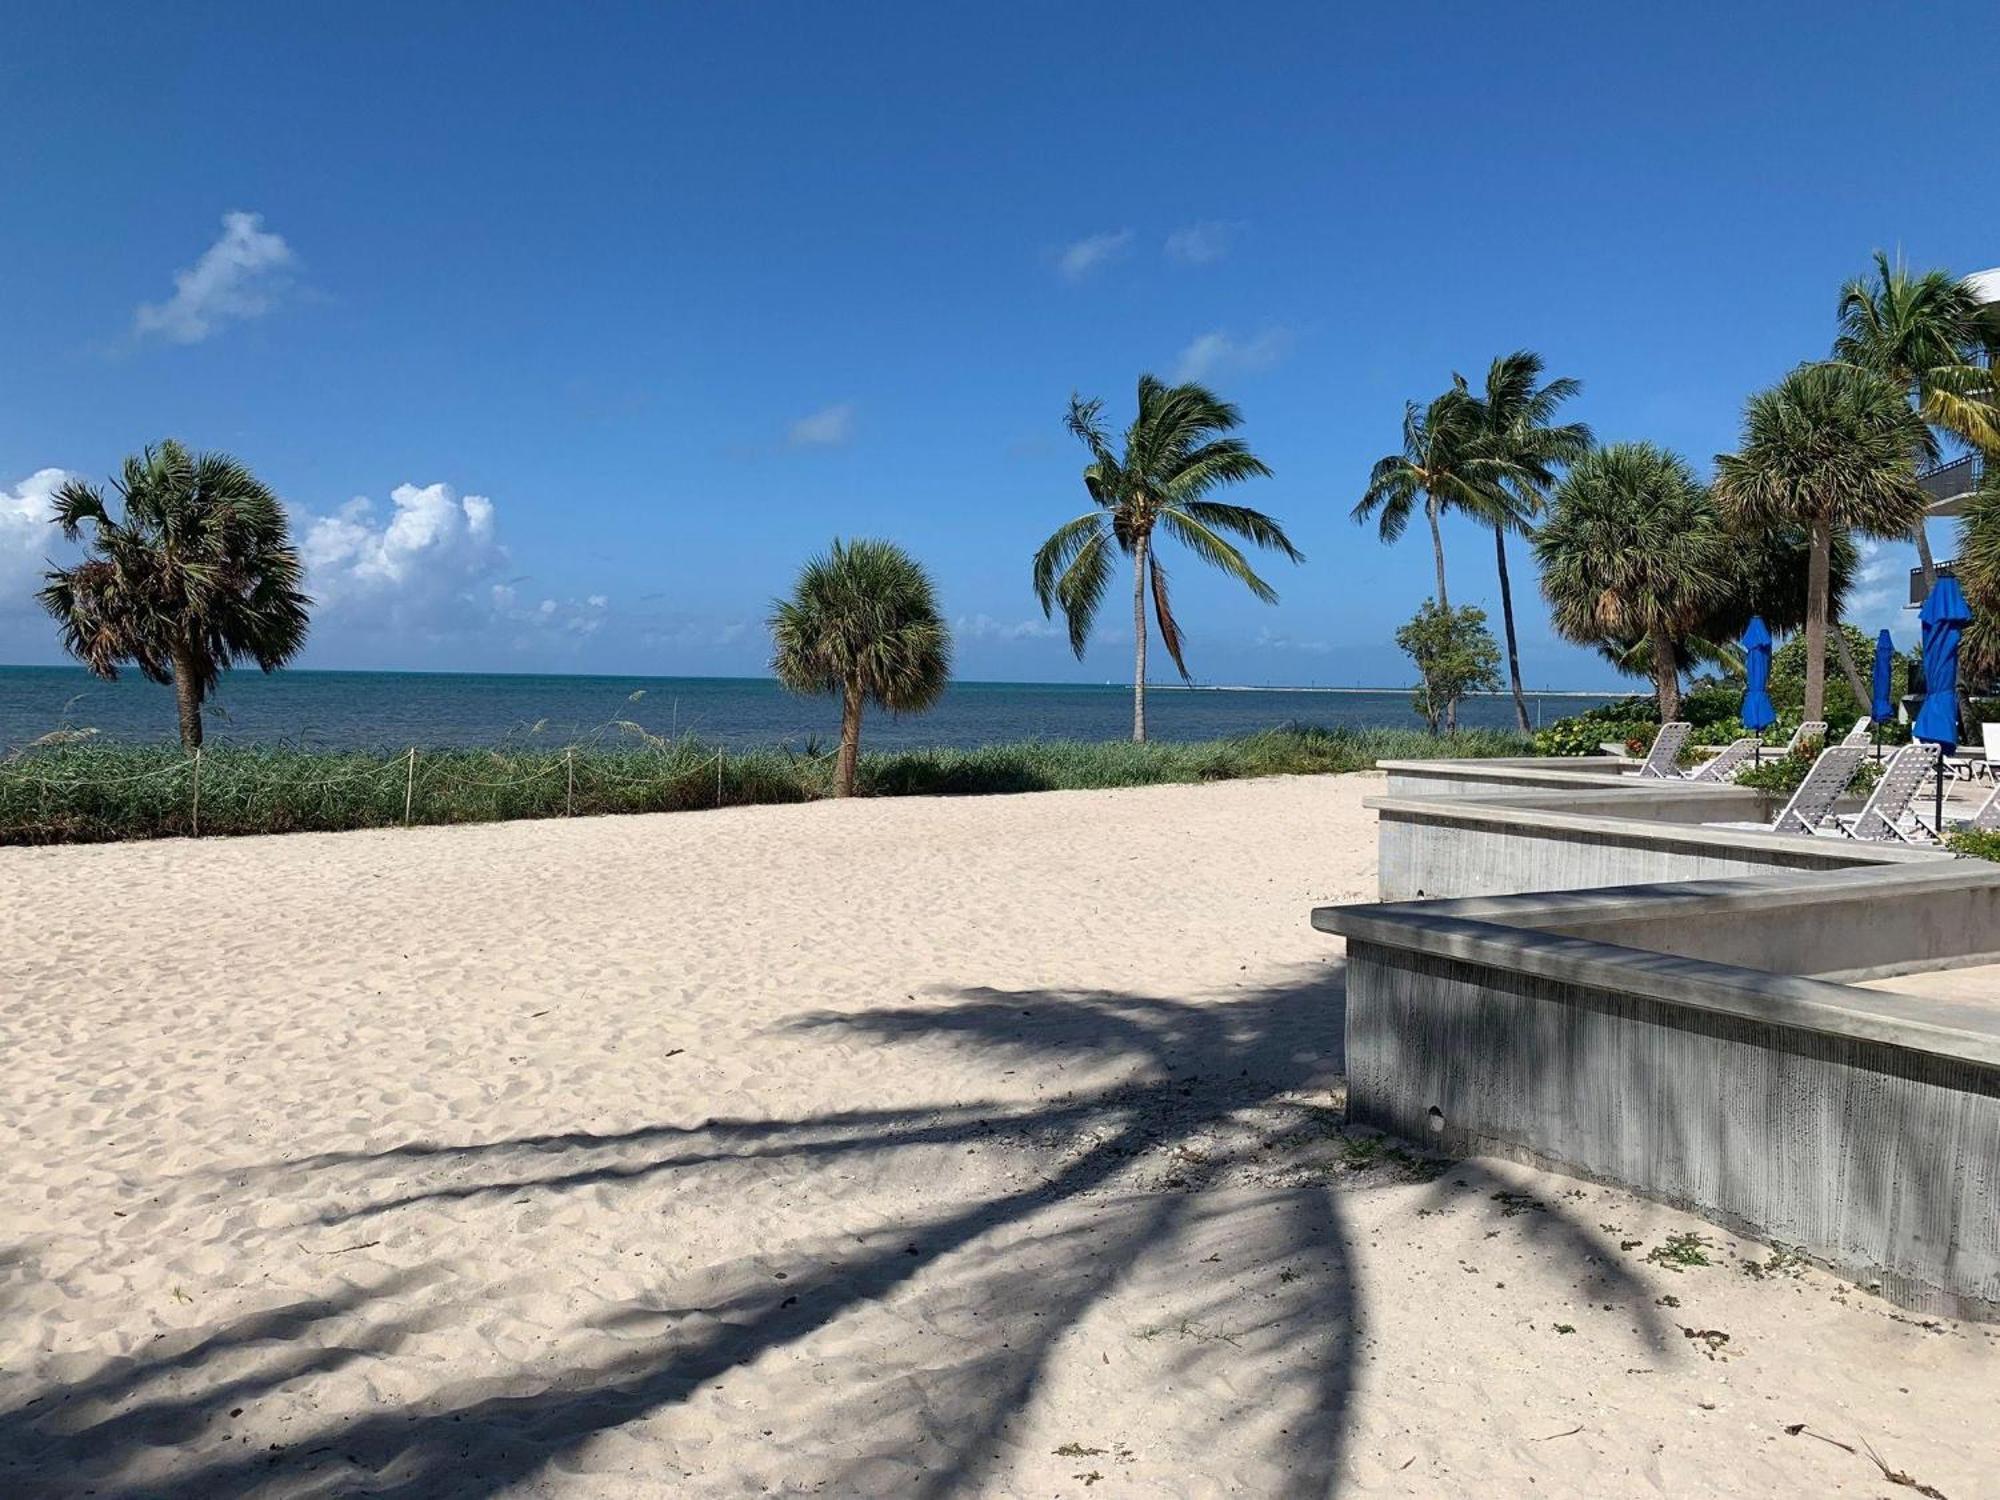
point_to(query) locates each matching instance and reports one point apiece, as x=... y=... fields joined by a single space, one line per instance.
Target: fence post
x=569 y=797
x=194 y=819
x=410 y=786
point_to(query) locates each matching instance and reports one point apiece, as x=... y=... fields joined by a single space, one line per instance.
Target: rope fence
x=228 y=791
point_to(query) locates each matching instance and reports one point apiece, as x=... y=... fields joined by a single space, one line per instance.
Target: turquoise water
x=375 y=710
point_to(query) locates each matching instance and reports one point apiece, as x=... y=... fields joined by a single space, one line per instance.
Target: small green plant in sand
x=1678 y=1252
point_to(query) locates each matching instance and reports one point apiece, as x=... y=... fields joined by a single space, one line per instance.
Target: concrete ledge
x=1497 y=843
x=1859 y=1127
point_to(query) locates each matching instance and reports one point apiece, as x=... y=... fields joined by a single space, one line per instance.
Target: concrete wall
x=1858 y=1127
x=1497 y=844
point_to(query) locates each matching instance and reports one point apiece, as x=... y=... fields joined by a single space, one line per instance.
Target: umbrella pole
x=1938 y=826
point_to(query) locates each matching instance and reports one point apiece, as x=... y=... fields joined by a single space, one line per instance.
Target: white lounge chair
x=1858 y=735
x=1890 y=813
x=1666 y=750
x=1812 y=803
x=1987 y=819
x=1811 y=729
x=1724 y=765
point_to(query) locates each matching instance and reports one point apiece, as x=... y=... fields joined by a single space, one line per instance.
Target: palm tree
x=1830 y=447
x=1175 y=456
x=1979 y=571
x=1440 y=465
x=1525 y=448
x=1633 y=549
x=1925 y=335
x=862 y=623
x=197 y=573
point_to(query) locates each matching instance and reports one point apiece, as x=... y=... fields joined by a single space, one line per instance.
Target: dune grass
x=93 y=792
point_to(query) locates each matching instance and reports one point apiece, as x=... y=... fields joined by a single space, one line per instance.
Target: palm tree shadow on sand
x=1211 y=1097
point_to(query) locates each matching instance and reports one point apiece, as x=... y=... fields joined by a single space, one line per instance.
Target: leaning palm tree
x=1634 y=550
x=197 y=572
x=1924 y=334
x=862 y=624
x=1174 y=458
x=1440 y=467
x=1830 y=447
x=1524 y=447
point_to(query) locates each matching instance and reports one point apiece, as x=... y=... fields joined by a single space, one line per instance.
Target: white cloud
x=1201 y=244
x=237 y=277
x=828 y=427
x=986 y=628
x=1271 y=640
x=1078 y=260
x=1220 y=353
x=1881 y=584
x=433 y=547
x=26 y=536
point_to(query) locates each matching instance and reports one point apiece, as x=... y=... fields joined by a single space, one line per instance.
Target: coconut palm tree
x=1925 y=334
x=862 y=624
x=197 y=572
x=1831 y=447
x=1633 y=549
x=1175 y=456
x=1441 y=466
x=1525 y=447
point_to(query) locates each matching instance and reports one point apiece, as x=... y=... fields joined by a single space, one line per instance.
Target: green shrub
x=1975 y=843
x=89 y=792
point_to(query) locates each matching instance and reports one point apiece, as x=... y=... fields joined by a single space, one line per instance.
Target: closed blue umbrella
x=1757 y=713
x=1944 y=618
x=1880 y=709
x=1885 y=656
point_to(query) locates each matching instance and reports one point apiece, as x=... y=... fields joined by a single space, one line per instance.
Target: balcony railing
x=1945 y=569
x=1951 y=481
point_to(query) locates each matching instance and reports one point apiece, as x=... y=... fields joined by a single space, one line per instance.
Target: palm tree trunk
x=1666 y=675
x=1816 y=591
x=1139 y=642
x=850 y=741
x=1921 y=537
x=1437 y=548
x=1507 y=618
x=1863 y=693
x=187 y=697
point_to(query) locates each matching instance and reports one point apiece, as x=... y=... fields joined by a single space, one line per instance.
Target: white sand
x=882 y=1149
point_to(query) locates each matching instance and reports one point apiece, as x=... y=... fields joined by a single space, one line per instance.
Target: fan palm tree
x=1979 y=571
x=1441 y=466
x=1524 y=447
x=1633 y=549
x=1830 y=447
x=862 y=623
x=196 y=573
x=1175 y=457
x=1925 y=335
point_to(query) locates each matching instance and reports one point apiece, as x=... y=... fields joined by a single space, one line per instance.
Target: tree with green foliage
x=1926 y=335
x=1175 y=456
x=862 y=624
x=1978 y=570
x=1633 y=549
x=1455 y=654
x=195 y=573
x=1830 y=447
x=1440 y=467
x=1524 y=446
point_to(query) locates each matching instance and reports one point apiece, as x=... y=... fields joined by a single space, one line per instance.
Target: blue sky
x=613 y=315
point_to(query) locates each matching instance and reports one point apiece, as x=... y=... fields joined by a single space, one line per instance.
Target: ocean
x=385 y=710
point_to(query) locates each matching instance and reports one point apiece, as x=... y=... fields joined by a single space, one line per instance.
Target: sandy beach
x=920 y=1147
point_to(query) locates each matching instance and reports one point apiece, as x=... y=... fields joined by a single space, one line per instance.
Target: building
x=1951 y=484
